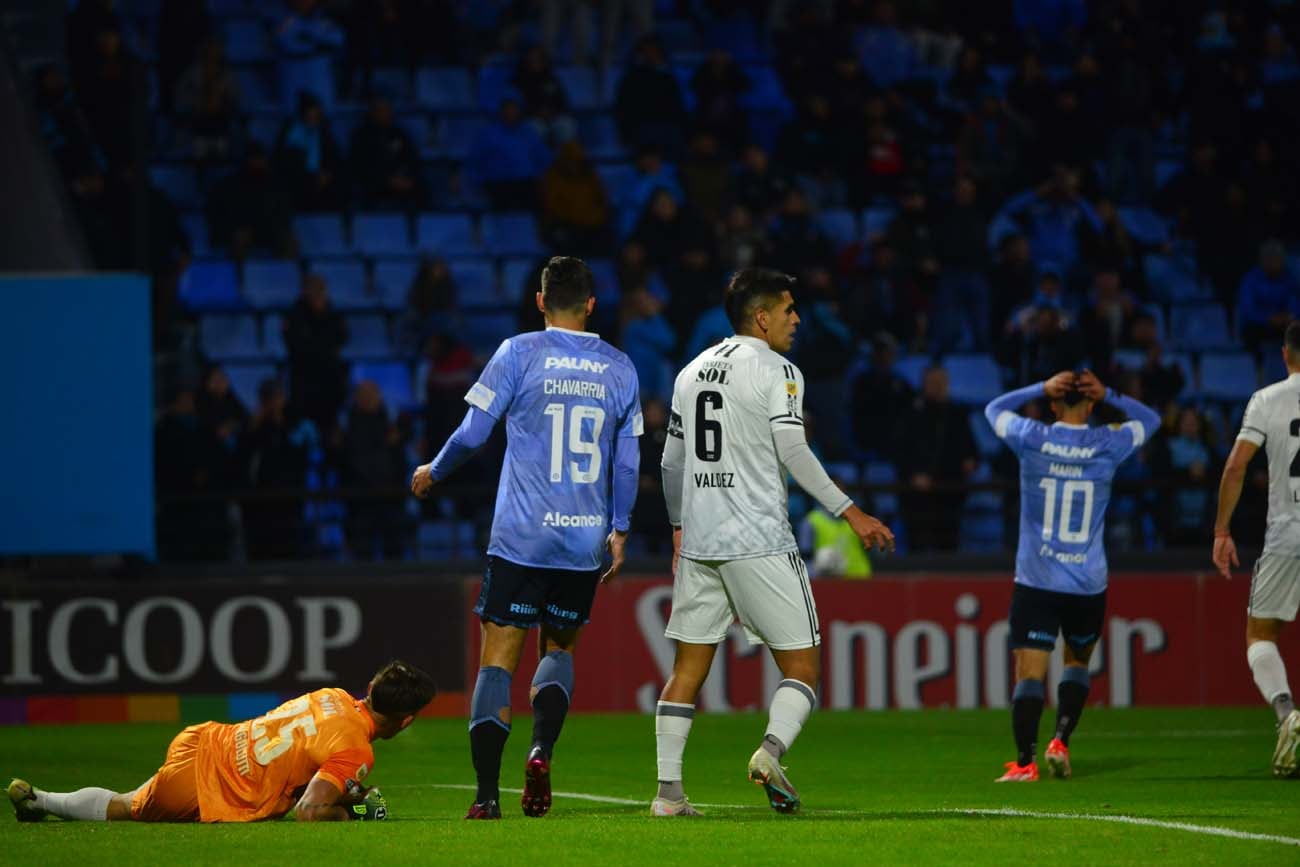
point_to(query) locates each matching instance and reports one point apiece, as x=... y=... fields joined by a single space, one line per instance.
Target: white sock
x=672 y=728
x=87 y=805
x=791 y=704
x=1269 y=670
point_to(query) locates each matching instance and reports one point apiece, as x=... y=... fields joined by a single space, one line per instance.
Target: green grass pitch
x=884 y=788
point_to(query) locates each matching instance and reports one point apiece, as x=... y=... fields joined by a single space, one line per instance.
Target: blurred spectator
x=314 y=334
x=886 y=53
x=667 y=231
x=576 y=16
x=374 y=465
x=802 y=49
x=649 y=108
x=910 y=233
x=890 y=300
x=278 y=446
x=380 y=33
x=1184 y=459
x=1012 y=279
x=187 y=465
x=884 y=157
x=63 y=125
x=961 y=318
x=1107 y=317
x=307 y=159
x=640 y=14
x=652 y=175
x=1270 y=191
x=969 y=80
x=1160 y=381
x=992 y=145
x=1112 y=246
x=742 y=240
x=385 y=162
x=508 y=158
x=1056 y=218
x=1269 y=298
x=649 y=341
x=707 y=178
x=824 y=348
x=1194 y=197
x=224 y=416
x=113 y=82
x=448 y=374
x=759 y=186
x=306 y=42
x=693 y=281
x=720 y=86
x=935 y=448
x=431 y=304
x=207 y=103
x=711 y=326
x=1071 y=134
x=1042 y=337
x=575 y=213
x=810 y=144
x=1030 y=95
x=650 y=519
x=879 y=399
x=544 y=102
x=247 y=209
x=183 y=27
x=81 y=30
x=795 y=241
x=1051 y=27
x=1134 y=97
x=834 y=548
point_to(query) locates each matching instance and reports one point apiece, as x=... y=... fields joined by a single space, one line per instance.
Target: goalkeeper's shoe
x=537 y=783
x=767 y=772
x=23 y=798
x=484 y=810
x=1288 y=744
x=663 y=807
x=1018 y=773
x=1058 y=759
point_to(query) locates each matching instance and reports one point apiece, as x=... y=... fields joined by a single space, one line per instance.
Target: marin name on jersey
x=715 y=480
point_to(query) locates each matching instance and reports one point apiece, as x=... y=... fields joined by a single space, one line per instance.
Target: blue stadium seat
x=436 y=540
x=973 y=379
x=381 y=234
x=605 y=274
x=392 y=82
x=180 y=184
x=839 y=224
x=1173 y=278
x=985 y=439
x=321 y=235
x=1228 y=376
x=246 y=40
x=1145 y=225
x=456 y=135
x=273 y=337
x=581 y=87
x=476 y=283
x=393 y=379
x=1130 y=359
x=271 y=283
x=1199 y=326
x=445 y=88
x=884 y=504
x=349 y=286
x=984 y=501
x=618 y=178
x=514 y=274
x=493 y=85
x=846 y=472
x=511 y=234
x=223 y=337
x=446 y=235
x=599 y=135
x=245 y=379
x=483 y=332
x=367 y=338
x=736 y=33
x=392 y=281
x=982 y=531
x=211 y=285
x=911 y=367
x=196 y=229
x=876 y=220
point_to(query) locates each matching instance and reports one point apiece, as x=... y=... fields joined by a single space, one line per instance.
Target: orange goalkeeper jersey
x=256 y=769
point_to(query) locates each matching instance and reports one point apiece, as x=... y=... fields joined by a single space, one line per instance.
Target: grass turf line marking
x=580 y=796
x=1211 y=830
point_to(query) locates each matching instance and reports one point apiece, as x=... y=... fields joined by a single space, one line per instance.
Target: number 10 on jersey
x=1069 y=490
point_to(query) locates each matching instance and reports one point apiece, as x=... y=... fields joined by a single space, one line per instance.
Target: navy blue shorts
x=525 y=596
x=1038 y=615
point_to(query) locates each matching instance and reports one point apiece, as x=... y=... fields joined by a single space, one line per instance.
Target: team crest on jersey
x=791 y=389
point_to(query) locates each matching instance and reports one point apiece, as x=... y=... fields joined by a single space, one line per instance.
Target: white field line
x=1208 y=830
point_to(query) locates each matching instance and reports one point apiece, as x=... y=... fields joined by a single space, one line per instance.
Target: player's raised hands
x=1056 y=387
x=1088 y=383
x=421 y=481
x=1225 y=555
x=873 y=533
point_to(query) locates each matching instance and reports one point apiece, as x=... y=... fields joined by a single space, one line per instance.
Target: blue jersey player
x=1065 y=474
x=572 y=410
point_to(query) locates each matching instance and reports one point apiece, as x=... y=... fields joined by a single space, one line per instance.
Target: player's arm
x=323 y=801
x=627 y=476
x=673 y=469
x=1249 y=439
x=1143 y=421
x=1002 y=410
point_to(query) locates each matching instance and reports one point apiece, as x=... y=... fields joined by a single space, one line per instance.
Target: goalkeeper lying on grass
x=310 y=755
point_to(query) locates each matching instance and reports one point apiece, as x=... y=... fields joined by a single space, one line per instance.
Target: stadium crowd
x=346 y=206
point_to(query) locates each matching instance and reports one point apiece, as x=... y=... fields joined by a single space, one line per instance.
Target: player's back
x=1065 y=483
x=735 y=502
x=1272 y=420
x=570 y=397
x=254 y=769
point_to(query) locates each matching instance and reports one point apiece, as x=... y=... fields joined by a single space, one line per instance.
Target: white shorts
x=1275 y=587
x=770 y=596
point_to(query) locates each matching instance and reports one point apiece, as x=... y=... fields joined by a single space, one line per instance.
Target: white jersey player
x=735 y=431
x=1272 y=420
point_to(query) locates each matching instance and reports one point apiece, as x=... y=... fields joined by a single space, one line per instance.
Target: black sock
x=1070 y=699
x=550 y=706
x=1026 y=709
x=487 y=741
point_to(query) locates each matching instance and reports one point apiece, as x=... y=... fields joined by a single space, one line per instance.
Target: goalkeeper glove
x=371 y=808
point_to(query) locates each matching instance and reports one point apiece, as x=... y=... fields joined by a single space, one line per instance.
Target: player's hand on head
x=1225 y=555
x=421 y=481
x=617 y=544
x=1090 y=385
x=1058 y=385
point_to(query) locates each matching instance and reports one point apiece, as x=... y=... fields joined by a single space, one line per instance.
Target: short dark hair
x=401 y=689
x=1073 y=397
x=1291 y=339
x=750 y=288
x=566 y=283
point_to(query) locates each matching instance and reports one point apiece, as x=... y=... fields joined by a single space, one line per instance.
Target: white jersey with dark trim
x=1272 y=420
x=726 y=405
